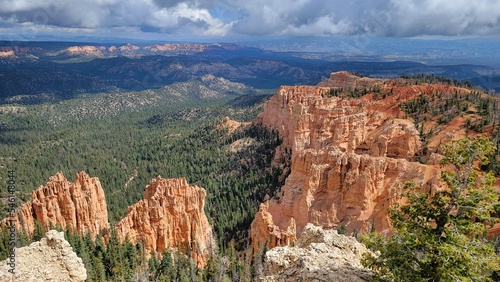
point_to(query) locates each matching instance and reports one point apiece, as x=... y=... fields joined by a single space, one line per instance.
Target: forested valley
x=125 y=151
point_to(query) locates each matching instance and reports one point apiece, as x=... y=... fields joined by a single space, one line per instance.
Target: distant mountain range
x=34 y=72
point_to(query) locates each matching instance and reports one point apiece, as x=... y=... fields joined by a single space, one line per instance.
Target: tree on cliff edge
x=440 y=235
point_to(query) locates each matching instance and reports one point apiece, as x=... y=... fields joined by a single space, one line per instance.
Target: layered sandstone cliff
x=349 y=158
x=50 y=259
x=171 y=215
x=79 y=205
x=320 y=255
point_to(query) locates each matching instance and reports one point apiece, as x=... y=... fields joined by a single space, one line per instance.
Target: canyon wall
x=79 y=205
x=349 y=159
x=171 y=215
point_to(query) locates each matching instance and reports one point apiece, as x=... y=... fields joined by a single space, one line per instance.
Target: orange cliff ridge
x=349 y=157
x=78 y=205
x=171 y=215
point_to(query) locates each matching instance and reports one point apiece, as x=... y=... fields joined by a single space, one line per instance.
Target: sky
x=211 y=19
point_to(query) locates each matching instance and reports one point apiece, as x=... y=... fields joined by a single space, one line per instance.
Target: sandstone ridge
x=349 y=156
x=171 y=215
x=50 y=259
x=320 y=255
x=79 y=205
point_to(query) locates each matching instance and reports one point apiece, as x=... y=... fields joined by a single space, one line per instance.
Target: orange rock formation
x=349 y=157
x=85 y=50
x=263 y=228
x=171 y=215
x=79 y=205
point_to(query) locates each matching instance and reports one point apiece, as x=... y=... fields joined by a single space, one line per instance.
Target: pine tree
x=440 y=235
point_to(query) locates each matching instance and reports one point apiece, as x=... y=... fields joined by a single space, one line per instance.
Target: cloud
x=379 y=17
x=218 y=18
x=441 y=17
x=172 y=17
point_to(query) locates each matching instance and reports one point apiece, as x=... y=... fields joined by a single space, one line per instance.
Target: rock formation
x=231 y=125
x=318 y=256
x=92 y=51
x=78 y=205
x=349 y=157
x=348 y=81
x=8 y=54
x=171 y=215
x=50 y=259
x=263 y=227
x=128 y=48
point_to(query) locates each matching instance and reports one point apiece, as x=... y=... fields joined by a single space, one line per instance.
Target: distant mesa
x=129 y=47
x=93 y=51
x=8 y=54
x=177 y=47
x=350 y=81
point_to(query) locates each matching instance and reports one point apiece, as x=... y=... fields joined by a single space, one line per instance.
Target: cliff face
x=349 y=81
x=263 y=228
x=79 y=205
x=320 y=255
x=171 y=215
x=349 y=158
x=50 y=259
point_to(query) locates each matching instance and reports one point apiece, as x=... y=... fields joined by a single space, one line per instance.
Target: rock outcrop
x=93 y=51
x=263 y=227
x=349 y=157
x=349 y=81
x=320 y=255
x=78 y=205
x=50 y=259
x=171 y=215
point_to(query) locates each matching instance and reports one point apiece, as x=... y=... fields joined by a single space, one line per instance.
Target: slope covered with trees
x=130 y=146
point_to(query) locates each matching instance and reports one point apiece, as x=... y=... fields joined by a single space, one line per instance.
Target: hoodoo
x=79 y=205
x=171 y=215
x=350 y=154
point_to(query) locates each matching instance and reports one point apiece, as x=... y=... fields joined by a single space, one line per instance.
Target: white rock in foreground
x=50 y=259
x=320 y=255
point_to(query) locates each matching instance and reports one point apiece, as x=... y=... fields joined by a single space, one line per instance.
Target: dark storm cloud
x=264 y=17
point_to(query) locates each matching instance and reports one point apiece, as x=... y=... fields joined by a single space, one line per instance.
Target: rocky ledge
x=320 y=255
x=50 y=259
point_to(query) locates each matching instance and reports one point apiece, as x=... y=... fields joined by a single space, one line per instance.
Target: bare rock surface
x=79 y=205
x=320 y=255
x=349 y=156
x=50 y=259
x=171 y=215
